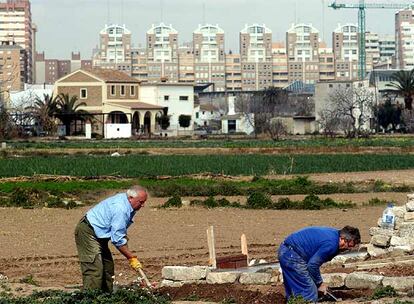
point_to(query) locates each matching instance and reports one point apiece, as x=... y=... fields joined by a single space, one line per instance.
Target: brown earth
x=40 y=241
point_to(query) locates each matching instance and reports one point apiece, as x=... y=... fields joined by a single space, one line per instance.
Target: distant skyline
x=74 y=25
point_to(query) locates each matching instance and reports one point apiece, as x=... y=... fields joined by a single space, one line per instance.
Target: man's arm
x=125 y=251
x=324 y=254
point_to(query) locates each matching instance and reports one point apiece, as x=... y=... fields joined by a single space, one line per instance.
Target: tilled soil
x=40 y=241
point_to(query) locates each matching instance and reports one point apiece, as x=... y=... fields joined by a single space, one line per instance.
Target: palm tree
x=403 y=83
x=44 y=110
x=67 y=110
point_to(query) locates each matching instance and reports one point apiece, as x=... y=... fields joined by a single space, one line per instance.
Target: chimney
x=231 y=100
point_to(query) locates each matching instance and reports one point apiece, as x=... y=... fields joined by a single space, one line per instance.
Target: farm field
x=42 y=249
x=178 y=165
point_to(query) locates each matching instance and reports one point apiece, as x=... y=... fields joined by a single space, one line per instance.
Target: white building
x=346 y=42
x=179 y=98
x=236 y=122
x=206 y=114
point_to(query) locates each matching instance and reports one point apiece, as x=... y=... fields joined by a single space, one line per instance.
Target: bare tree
x=349 y=110
x=276 y=128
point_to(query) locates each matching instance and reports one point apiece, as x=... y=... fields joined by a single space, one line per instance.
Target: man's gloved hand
x=323 y=288
x=134 y=263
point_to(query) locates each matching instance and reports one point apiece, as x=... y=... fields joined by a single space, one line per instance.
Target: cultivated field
x=38 y=241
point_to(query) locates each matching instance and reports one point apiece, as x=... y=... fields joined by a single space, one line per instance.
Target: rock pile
x=400 y=240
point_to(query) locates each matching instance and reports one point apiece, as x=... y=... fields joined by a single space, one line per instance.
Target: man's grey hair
x=135 y=190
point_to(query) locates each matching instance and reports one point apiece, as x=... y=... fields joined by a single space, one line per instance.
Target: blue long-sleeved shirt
x=111 y=218
x=316 y=245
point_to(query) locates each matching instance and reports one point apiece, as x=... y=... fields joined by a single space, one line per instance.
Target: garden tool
x=144 y=277
x=329 y=293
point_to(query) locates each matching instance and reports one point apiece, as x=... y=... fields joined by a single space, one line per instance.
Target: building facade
x=404 y=39
x=17 y=28
x=48 y=71
x=114 y=51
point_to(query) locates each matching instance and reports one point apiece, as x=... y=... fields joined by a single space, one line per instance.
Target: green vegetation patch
x=384 y=292
x=218 y=143
x=122 y=296
x=179 y=165
x=260 y=200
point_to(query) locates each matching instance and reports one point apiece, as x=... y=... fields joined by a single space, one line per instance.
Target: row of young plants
x=52 y=194
x=139 y=166
x=122 y=296
x=384 y=141
x=260 y=200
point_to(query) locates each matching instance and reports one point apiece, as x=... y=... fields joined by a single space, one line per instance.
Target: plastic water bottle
x=388 y=218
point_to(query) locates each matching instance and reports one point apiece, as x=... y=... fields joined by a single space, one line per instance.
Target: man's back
x=308 y=241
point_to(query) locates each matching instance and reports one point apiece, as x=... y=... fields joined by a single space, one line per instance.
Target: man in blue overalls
x=302 y=253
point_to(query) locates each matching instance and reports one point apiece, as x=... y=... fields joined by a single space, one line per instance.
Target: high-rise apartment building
x=162 y=53
x=404 y=39
x=372 y=50
x=114 y=51
x=256 y=57
x=209 y=53
x=16 y=27
x=12 y=68
x=50 y=70
x=387 y=48
x=345 y=48
x=302 y=47
x=279 y=65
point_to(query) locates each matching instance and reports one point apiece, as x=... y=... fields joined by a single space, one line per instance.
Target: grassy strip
x=214 y=143
x=200 y=187
x=260 y=200
x=122 y=296
x=176 y=165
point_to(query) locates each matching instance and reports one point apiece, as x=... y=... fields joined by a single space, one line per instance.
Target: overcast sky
x=74 y=25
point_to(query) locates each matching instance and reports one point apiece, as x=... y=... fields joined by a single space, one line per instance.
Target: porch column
x=153 y=114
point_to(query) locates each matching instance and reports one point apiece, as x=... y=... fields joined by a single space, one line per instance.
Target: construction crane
x=361 y=6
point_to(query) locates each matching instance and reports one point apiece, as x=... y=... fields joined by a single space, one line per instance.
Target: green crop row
x=177 y=165
x=215 y=143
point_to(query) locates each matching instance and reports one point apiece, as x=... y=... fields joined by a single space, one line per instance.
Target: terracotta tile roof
x=137 y=105
x=110 y=75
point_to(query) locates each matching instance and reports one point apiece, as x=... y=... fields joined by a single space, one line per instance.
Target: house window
x=132 y=91
x=231 y=126
x=184 y=98
x=122 y=90
x=204 y=112
x=84 y=93
x=113 y=90
x=166 y=97
x=197 y=115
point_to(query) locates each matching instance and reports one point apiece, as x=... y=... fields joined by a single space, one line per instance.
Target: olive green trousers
x=95 y=258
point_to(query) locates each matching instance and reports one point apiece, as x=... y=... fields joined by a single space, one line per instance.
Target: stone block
x=399 y=283
x=183 y=273
x=381 y=240
x=274 y=280
x=409 y=217
x=377 y=230
x=410 y=204
x=410 y=196
x=334 y=280
x=374 y=251
x=401 y=241
x=255 y=278
x=363 y=280
x=222 y=277
x=170 y=283
x=402 y=250
x=400 y=211
x=407 y=229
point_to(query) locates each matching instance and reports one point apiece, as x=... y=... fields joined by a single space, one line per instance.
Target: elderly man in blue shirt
x=302 y=253
x=107 y=221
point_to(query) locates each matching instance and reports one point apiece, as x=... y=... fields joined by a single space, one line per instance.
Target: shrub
x=173 y=202
x=259 y=200
x=384 y=292
x=376 y=202
x=26 y=198
x=71 y=205
x=55 y=202
x=210 y=202
x=284 y=203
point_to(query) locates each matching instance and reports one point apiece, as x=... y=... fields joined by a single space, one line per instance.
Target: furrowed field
x=262 y=188
x=176 y=165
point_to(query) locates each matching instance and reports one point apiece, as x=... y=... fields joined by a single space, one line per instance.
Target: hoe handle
x=144 y=277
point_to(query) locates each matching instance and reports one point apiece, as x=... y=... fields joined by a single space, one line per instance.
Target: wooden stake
x=244 y=249
x=211 y=247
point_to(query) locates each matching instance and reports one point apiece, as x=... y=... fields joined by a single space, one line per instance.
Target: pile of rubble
x=398 y=241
